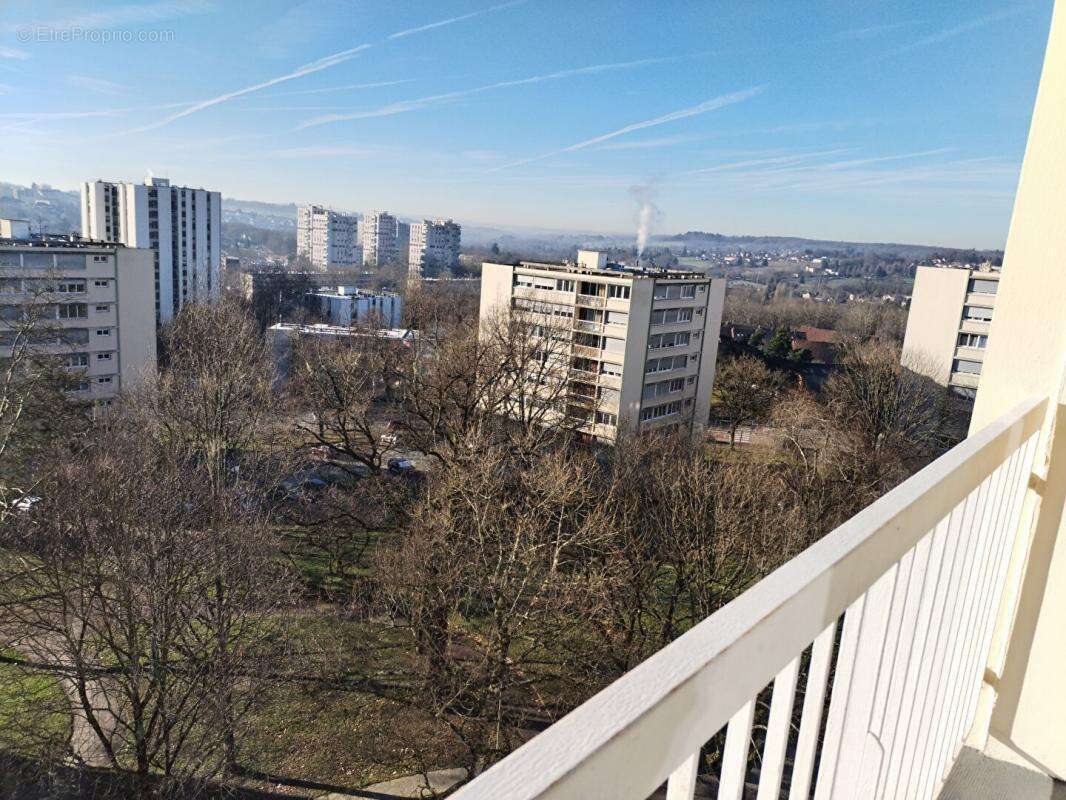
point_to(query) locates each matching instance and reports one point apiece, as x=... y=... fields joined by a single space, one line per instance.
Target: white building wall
x=187 y=267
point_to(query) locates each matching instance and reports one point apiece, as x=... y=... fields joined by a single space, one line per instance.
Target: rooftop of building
x=354 y=291
x=322 y=329
x=55 y=241
x=611 y=270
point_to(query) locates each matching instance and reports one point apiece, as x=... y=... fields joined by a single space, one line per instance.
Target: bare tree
x=744 y=393
x=155 y=598
x=480 y=578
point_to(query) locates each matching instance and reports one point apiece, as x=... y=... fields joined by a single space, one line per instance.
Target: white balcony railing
x=895 y=608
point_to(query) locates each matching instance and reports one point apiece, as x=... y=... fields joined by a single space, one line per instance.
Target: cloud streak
x=706 y=106
x=453 y=20
x=346 y=88
x=13 y=53
x=307 y=69
x=405 y=106
x=98 y=85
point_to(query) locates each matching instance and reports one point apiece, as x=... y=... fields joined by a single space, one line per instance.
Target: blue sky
x=874 y=121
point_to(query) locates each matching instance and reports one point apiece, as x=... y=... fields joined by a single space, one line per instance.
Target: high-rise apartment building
x=182 y=226
x=639 y=346
x=88 y=303
x=434 y=246
x=329 y=240
x=948 y=323
x=403 y=242
x=377 y=234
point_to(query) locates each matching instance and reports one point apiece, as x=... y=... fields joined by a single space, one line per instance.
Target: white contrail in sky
x=306 y=69
x=453 y=20
x=700 y=108
x=404 y=106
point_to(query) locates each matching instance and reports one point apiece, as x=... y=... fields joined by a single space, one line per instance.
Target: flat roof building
x=329 y=240
x=640 y=345
x=948 y=324
x=349 y=305
x=88 y=303
x=181 y=226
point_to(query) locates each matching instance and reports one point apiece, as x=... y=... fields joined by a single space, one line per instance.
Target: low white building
x=350 y=305
x=328 y=239
x=87 y=303
x=283 y=334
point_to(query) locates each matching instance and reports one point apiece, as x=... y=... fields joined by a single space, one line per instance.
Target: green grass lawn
x=33 y=718
x=346 y=727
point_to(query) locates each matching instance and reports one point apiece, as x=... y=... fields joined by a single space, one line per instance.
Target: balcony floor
x=977 y=777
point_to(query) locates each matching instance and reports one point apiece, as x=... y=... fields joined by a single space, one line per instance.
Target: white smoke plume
x=648 y=216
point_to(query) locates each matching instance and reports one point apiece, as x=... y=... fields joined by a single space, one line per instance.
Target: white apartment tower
x=378 y=237
x=640 y=344
x=434 y=246
x=182 y=226
x=87 y=303
x=328 y=239
x=948 y=324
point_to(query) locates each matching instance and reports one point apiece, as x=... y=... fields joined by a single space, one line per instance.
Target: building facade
x=948 y=324
x=89 y=303
x=348 y=305
x=329 y=240
x=640 y=345
x=434 y=246
x=403 y=242
x=181 y=226
x=378 y=237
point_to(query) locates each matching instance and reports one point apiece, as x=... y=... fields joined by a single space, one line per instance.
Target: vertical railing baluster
x=811 y=717
x=838 y=701
x=682 y=782
x=735 y=755
x=777 y=731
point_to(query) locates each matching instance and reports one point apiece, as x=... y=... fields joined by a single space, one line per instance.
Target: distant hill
x=717 y=242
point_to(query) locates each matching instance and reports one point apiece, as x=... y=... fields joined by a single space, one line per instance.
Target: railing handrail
x=626 y=740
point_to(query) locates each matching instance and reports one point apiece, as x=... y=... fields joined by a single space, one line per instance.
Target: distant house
x=822 y=343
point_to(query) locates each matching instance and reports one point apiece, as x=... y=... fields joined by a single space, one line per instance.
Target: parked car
x=401 y=466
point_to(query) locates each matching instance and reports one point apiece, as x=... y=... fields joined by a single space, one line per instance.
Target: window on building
x=603 y=418
x=977 y=340
x=102 y=309
x=77 y=360
x=611 y=369
x=617 y=318
x=73 y=310
x=104 y=379
x=618 y=292
x=671 y=316
x=968 y=367
x=564 y=285
x=983 y=286
x=103 y=331
x=70 y=287
x=661 y=340
x=977 y=313
x=103 y=356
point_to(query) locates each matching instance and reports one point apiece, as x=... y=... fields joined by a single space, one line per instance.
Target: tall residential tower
x=182 y=226
x=328 y=239
x=434 y=246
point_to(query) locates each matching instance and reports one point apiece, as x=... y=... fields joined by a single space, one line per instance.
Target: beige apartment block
x=948 y=324
x=640 y=345
x=91 y=303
